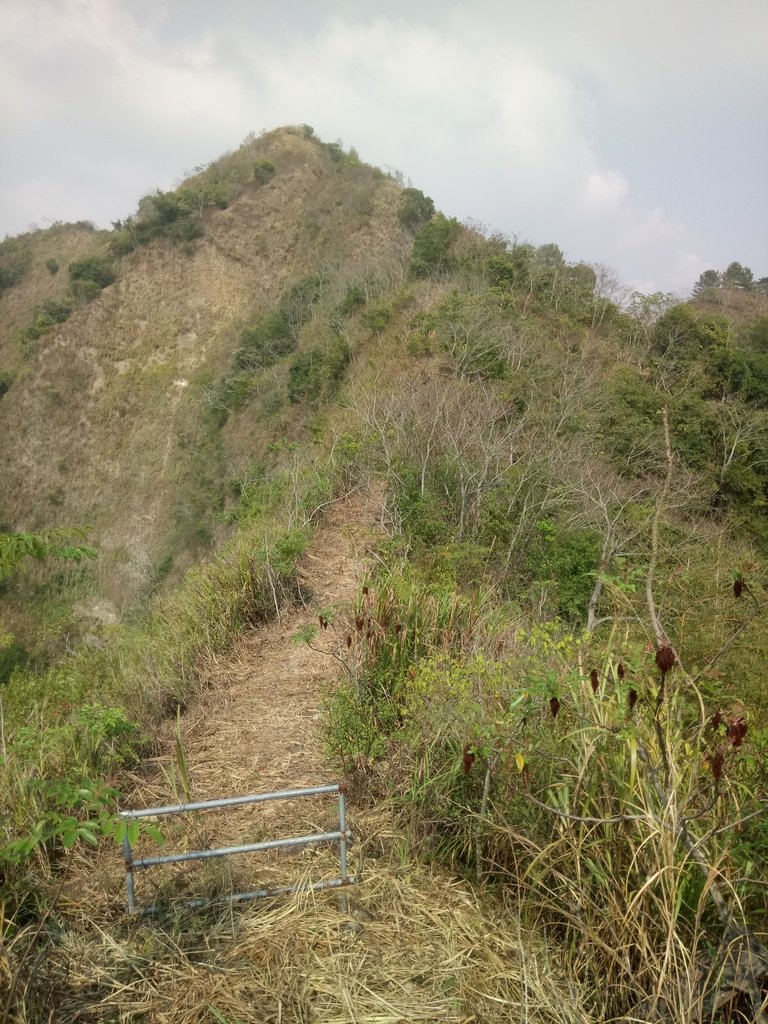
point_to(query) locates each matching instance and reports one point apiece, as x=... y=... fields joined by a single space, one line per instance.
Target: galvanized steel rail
x=342 y=835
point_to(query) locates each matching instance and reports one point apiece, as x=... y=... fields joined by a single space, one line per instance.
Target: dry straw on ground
x=413 y=947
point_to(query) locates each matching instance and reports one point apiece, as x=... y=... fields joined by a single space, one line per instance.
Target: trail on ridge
x=258 y=727
x=411 y=944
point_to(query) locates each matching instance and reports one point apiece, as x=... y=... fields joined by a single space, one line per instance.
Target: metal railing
x=342 y=835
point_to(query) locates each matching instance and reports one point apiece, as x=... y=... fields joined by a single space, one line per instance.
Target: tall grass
x=595 y=796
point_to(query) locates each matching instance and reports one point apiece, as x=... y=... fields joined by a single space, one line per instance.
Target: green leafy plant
x=97 y=270
x=415 y=210
x=433 y=247
x=263 y=171
x=15 y=548
x=15 y=261
x=376 y=318
x=316 y=373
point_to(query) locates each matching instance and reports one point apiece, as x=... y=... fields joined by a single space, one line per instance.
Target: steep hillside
x=110 y=418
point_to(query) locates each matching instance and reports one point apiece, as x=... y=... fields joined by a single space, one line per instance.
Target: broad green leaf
x=153 y=831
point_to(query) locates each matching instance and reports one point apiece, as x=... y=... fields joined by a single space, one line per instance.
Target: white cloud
x=490 y=108
x=605 y=190
x=692 y=50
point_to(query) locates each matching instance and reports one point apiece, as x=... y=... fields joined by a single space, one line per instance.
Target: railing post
x=343 y=840
x=129 y=885
x=343 y=848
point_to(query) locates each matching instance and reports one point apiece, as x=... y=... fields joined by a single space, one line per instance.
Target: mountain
x=114 y=417
x=550 y=670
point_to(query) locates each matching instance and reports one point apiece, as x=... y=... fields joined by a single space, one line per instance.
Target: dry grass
x=414 y=946
x=63 y=242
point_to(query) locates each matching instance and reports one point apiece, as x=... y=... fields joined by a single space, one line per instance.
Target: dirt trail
x=257 y=728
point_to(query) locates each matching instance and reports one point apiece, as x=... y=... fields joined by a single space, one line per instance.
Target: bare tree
x=742 y=436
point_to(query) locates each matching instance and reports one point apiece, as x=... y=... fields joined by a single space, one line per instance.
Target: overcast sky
x=633 y=134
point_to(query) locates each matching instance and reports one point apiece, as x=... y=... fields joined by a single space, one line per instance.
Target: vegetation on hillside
x=15 y=259
x=556 y=673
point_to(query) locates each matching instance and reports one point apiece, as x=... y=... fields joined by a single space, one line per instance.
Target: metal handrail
x=231 y=801
x=342 y=835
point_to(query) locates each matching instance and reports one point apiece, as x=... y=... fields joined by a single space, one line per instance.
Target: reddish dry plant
x=716 y=762
x=632 y=698
x=595 y=679
x=665 y=658
x=716 y=720
x=469 y=760
x=554 y=706
x=736 y=731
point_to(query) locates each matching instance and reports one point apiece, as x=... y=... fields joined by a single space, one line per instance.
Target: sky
x=633 y=135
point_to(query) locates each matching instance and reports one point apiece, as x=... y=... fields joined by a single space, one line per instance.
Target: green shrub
x=232 y=393
x=335 y=151
x=15 y=260
x=195 y=198
x=97 y=270
x=13 y=656
x=298 y=302
x=433 y=245
x=184 y=231
x=169 y=215
x=262 y=344
x=685 y=333
x=426 y=514
x=85 y=291
x=122 y=242
x=377 y=317
x=315 y=374
x=415 y=209
x=272 y=402
x=630 y=426
x=52 y=266
x=354 y=298
x=51 y=312
x=263 y=171
x=756 y=335
x=565 y=560
x=5 y=382
x=475 y=333
x=512 y=267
